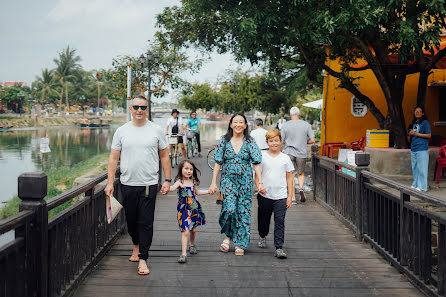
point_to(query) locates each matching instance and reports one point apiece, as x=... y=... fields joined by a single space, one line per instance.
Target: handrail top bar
x=76 y=191
x=15 y=221
x=405 y=189
x=336 y=162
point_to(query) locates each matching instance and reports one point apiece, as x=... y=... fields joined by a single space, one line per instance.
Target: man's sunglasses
x=143 y=107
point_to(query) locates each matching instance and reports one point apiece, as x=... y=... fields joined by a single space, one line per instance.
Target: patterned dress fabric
x=190 y=214
x=236 y=187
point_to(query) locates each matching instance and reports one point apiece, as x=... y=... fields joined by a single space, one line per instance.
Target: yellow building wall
x=338 y=123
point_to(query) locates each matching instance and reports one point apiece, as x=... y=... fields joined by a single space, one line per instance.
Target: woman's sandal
x=224 y=247
x=239 y=251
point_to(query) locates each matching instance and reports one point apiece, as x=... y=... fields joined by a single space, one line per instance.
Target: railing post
x=32 y=189
x=314 y=161
x=362 y=161
x=404 y=234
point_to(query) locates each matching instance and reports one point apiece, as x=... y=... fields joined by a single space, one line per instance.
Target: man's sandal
x=134 y=259
x=239 y=251
x=224 y=247
x=143 y=271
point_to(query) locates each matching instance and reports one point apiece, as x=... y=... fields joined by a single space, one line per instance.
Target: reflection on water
x=19 y=149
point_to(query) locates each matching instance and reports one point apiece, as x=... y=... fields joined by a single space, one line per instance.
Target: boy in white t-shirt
x=277 y=175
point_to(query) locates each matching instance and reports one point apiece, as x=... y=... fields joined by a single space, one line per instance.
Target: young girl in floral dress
x=190 y=214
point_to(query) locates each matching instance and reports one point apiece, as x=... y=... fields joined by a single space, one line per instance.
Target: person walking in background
x=234 y=154
x=280 y=122
x=139 y=145
x=175 y=126
x=277 y=175
x=259 y=134
x=190 y=214
x=420 y=133
x=194 y=124
x=296 y=134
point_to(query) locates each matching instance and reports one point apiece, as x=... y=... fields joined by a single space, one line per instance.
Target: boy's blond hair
x=273 y=133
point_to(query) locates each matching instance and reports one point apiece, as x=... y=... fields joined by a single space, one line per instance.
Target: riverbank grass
x=59 y=180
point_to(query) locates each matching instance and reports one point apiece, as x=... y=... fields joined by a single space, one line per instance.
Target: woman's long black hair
x=230 y=132
x=194 y=173
x=420 y=120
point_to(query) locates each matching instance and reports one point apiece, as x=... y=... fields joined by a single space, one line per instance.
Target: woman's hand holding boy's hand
x=262 y=189
x=289 y=202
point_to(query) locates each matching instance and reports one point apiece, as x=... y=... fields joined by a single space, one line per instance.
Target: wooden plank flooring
x=324 y=259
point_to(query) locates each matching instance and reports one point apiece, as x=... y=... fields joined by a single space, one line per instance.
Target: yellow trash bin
x=377 y=138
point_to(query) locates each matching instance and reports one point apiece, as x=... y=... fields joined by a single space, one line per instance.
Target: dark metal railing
x=407 y=227
x=49 y=256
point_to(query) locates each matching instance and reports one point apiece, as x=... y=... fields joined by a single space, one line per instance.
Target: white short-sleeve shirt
x=274 y=171
x=172 y=122
x=259 y=136
x=139 y=148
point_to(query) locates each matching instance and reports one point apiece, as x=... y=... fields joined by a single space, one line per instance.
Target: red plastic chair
x=440 y=165
x=358 y=145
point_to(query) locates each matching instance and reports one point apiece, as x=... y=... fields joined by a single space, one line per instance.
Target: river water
x=20 y=149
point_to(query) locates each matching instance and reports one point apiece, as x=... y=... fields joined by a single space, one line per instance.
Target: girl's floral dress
x=190 y=214
x=236 y=187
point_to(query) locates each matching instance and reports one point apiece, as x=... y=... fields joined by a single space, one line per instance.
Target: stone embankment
x=50 y=121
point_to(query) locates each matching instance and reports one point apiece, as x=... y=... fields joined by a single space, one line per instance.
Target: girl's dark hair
x=424 y=117
x=230 y=133
x=194 y=173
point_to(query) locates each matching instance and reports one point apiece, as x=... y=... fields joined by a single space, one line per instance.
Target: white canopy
x=314 y=104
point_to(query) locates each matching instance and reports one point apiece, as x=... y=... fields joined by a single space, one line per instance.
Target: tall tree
x=391 y=36
x=45 y=85
x=66 y=65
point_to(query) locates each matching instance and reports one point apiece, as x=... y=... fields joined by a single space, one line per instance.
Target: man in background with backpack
x=175 y=127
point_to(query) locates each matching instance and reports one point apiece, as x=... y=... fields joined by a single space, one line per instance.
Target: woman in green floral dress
x=234 y=154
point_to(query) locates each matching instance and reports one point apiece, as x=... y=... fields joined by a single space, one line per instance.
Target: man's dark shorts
x=298 y=163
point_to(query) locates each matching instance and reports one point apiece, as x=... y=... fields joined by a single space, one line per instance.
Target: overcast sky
x=33 y=32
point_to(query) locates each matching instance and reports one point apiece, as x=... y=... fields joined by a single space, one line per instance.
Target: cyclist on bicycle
x=194 y=124
x=175 y=127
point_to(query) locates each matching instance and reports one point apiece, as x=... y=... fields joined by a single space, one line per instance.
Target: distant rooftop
x=13 y=83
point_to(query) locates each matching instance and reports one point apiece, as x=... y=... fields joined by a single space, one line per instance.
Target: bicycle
x=173 y=140
x=192 y=147
x=210 y=158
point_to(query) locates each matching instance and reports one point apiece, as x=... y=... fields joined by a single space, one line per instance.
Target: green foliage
x=9 y=94
x=306 y=33
x=199 y=97
x=165 y=73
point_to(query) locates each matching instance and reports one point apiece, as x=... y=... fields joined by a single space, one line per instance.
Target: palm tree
x=45 y=84
x=66 y=66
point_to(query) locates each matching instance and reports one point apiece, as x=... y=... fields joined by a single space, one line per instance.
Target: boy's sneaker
x=279 y=253
x=293 y=202
x=262 y=243
x=302 y=195
x=182 y=259
x=193 y=250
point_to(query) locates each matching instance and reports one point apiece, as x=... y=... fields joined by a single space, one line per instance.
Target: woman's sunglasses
x=143 y=107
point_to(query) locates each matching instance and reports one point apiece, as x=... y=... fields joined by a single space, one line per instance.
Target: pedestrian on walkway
x=277 y=175
x=190 y=214
x=175 y=128
x=280 y=122
x=194 y=124
x=296 y=134
x=139 y=144
x=420 y=132
x=234 y=154
x=259 y=134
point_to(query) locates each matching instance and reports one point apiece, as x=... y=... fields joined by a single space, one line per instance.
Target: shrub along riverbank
x=59 y=180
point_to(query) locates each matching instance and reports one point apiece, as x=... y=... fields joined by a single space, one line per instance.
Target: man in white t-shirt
x=175 y=126
x=139 y=145
x=277 y=176
x=259 y=134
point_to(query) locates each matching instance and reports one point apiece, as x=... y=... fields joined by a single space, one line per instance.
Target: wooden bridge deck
x=324 y=259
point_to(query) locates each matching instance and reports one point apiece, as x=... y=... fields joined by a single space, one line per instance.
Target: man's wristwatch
x=168 y=180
